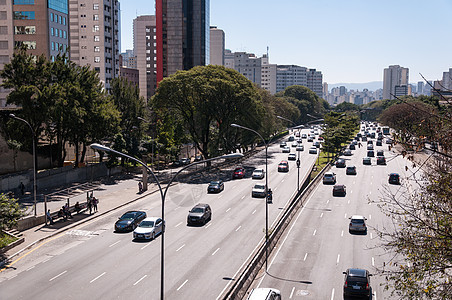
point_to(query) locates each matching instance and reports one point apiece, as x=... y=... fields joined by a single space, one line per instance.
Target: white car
x=264 y=294
x=357 y=223
x=304 y=136
x=258 y=174
x=292 y=156
x=148 y=228
x=294 y=144
x=259 y=190
x=300 y=147
x=313 y=150
x=286 y=150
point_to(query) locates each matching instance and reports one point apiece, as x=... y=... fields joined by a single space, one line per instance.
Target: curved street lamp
x=100 y=147
x=34 y=158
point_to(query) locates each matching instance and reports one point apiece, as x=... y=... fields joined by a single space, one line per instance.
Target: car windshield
x=257 y=171
x=358 y=221
x=259 y=186
x=147 y=224
x=329 y=175
x=128 y=216
x=197 y=210
x=214 y=183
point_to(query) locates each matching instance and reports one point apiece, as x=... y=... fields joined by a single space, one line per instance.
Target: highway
x=93 y=262
x=311 y=256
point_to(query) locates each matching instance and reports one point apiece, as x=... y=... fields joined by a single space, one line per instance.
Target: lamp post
x=34 y=158
x=100 y=147
x=266 y=187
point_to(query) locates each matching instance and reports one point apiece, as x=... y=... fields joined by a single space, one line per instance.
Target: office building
x=229 y=59
x=268 y=77
x=217 y=44
x=94 y=36
x=249 y=65
x=145 y=50
x=394 y=76
x=288 y=75
x=314 y=81
x=183 y=32
x=447 y=80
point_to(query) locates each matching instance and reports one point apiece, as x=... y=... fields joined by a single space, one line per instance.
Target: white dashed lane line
x=144 y=247
x=291 y=293
x=338 y=258
x=253 y=212
x=215 y=251
x=315 y=230
x=178 y=224
x=332 y=294
x=321 y=215
x=305 y=256
x=342 y=233
x=208 y=225
x=57 y=275
x=228 y=209
x=373 y=262
x=30 y=268
x=182 y=285
x=180 y=247
x=140 y=279
x=114 y=244
x=98 y=277
x=243 y=197
x=345 y=216
x=238 y=228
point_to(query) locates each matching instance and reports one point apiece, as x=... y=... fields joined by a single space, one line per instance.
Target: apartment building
x=217 y=44
x=288 y=75
x=395 y=76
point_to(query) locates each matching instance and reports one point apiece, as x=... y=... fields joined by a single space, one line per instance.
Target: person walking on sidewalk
x=95 y=201
x=49 y=217
x=90 y=204
x=140 y=187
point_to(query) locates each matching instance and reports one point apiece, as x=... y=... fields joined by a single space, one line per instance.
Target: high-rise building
x=229 y=59
x=183 y=31
x=126 y=58
x=144 y=46
x=249 y=65
x=288 y=75
x=394 y=76
x=420 y=87
x=447 y=80
x=314 y=81
x=94 y=36
x=268 y=76
x=217 y=44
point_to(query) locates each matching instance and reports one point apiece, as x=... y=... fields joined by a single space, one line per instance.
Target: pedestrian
x=140 y=187
x=66 y=211
x=61 y=214
x=95 y=201
x=49 y=217
x=22 y=188
x=90 y=205
x=77 y=207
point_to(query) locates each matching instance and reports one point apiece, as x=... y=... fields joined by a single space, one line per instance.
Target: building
x=314 y=81
x=229 y=59
x=394 y=76
x=183 y=32
x=94 y=36
x=288 y=75
x=268 y=77
x=447 y=80
x=217 y=44
x=249 y=65
x=126 y=58
x=131 y=74
x=145 y=50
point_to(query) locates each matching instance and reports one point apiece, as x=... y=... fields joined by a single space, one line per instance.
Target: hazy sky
x=348 y=40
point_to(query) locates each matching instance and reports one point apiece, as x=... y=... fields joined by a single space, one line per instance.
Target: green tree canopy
x=10 y=212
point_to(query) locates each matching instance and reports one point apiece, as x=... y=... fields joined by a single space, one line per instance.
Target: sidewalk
x=111 y=195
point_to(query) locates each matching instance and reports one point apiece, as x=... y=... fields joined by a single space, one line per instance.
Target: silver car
x=258 y=174
x=329 y=177
x=357 y=223
x=259 y=190
x=148 y=228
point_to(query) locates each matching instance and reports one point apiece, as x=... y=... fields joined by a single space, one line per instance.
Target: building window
x=96 y=38
x=51 y=31
x=24 y=15
x=64 y=34
x=96 y=6
x=95 y=17
x=51 y=17
x=30 y=44
x=3 y=44
x=97 y=59
x=96 y=49
x=64 y=20
x=53 y=46
x=24 y=2
x=59 y=20
x=95 y=28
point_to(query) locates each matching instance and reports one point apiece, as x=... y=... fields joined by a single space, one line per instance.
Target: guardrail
x=241 y=285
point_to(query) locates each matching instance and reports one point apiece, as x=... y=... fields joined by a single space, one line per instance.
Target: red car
x=238 y=173
x=283 y=166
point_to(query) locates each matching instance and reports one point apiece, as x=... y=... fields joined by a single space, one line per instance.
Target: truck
x=385 y=130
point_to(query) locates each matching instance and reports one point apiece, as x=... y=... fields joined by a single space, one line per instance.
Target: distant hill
x=371 y=86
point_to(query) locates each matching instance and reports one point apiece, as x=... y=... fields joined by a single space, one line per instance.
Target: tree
x=205 y=101
x=346 y=106
x=10 y=212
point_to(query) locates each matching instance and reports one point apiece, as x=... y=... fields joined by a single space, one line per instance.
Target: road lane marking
x=178 y=224
x=321 y=215
x=140 y=279
x=114 y=244
x=177 y=208
x=253 y=212
x=57 y=275
x=345 y=216
x=370 y=193
x=46 y=260
x=354 y=182
x=282 y=181
x=371 y=183
x=291 y=293
x=182 y=285
x=315 y=230
x=215 y=251
x=238 y=228
x=370 y=217
x=180 y=247
x=208 y=225
x=327 y=201
x=243 y=197
x=342 y=233
x=306 y=255
x=145 y=246
x=14 y=276
x=371 y=235
x=348 y=202
x=229 y=208
x=30 y=268
x=373 y=262
x=332 y=294
x=338 y=257
x=98 y=277
x=220 y=196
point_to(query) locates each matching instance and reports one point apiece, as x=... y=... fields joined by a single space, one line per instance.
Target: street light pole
x=266 y=187
x=34 y=159
x=163 y=196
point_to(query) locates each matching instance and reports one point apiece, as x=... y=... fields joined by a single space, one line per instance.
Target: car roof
x=349 y=167
x=203 y=205
x=151 y=219
x=259 y=170
x=260 y=293
x=283 y=162
x=357 y=272
x=329 y=173
x=356 y=217
x=133 y=212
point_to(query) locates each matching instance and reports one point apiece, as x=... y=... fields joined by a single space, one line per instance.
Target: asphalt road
x=318 y=247
x=93 y=262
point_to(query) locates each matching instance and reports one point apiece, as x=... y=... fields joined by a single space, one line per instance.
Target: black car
x=352 y=147
x=370 y=153
x=351 y=170
x=129 y=221
x=381 y=160
x=339 y=190
x=357 y=283
x=215 y=186
x=199 y=214
x=394 y=178
x=378 y=143
x=340 y=163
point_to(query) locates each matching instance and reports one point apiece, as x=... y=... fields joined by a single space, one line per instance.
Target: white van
x=265 y=294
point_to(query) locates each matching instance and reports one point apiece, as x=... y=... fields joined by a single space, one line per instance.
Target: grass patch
x=6 y=239
x=321 y=162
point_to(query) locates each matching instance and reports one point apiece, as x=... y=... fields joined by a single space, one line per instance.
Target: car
x=148 y=228
x=370 y=153
x=381 y=160
x=321 y=139
x=185 y=161
x=329 y=177
x=389 y=141
x=291 y=138
x=352 y=147
x=294 y=144
x=370 y=147
x=200 y=214
x=313 y=150
x=339 y=190
x=129 y=220
x=316 y=144
x=292 y=156
x=394 y=178
x=370 y=142
x=259 y=190
x=264 y=294
x=310 y=139
x=357 y=283
x=300 y=147
x=378 y=143
x=215 y=186
x=367 y=161
x=350 y=170
x=258 y=174
x=372 y=135
x=348 y=152
x=282 y=144
x=357 y=223
x=297 y=134
x=239 y=173
x=340 y=163
x=380 y=153
x=283 y=166
x=304 y=136
x=286 y=150
x=364 y=139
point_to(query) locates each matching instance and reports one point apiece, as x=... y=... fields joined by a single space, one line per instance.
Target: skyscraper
x=394 y=76
x=183 y=35
x=216 y=46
